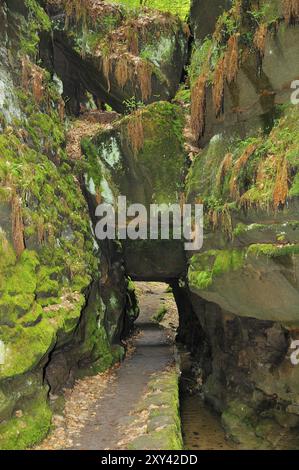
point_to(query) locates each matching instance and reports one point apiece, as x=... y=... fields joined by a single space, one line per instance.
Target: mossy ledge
x=163 y=429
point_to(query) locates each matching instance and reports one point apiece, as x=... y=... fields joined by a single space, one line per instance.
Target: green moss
x=36 y=341
x=294 y=191
x=18 y=285
x=42 y=290
x=241 y=228
x=205 y=267
x=30 y=428
x=183 y=95
x=158 y=160
x=273 y=251
x=248 y=182
x=103 y=351
x=164 y=424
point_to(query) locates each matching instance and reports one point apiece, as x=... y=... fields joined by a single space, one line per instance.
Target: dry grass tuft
x=33 y=78
x=76 y=9
x=131 y=34
x=222 y=219
x=122 y=72
x=107 y=70
x=260 y=38
x=61 y=109
x=198 y=107
x=40 y=230
x=224 y=168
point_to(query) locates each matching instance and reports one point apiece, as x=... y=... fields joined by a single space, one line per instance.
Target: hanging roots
x=136 y=133
x=107 y=70
x=260 y=38
x=240 y=163
x=33 y=77
x=144 y=74
x=290 y=10
x=17 y=225
x=226 y=221
x=218 y=86
x=281 y=188
x=122 y=72
x=198 y=107
x=225 y=166
x=61 y=109
x=232 y=58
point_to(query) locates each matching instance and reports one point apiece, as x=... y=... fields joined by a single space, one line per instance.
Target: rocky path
x=107 y=417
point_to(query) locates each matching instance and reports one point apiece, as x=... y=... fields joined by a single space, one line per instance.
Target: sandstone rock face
x=57 y=318
x=141 y=158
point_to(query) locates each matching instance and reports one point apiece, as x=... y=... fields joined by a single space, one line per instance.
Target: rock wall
x=63 y=303
x=65 y=300
x=121 y=57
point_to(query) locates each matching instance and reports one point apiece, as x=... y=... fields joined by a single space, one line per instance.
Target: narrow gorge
x=139 y=343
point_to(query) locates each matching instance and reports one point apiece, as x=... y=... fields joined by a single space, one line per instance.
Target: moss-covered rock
x=163 y=425
x=121 y=56
x=141 y=158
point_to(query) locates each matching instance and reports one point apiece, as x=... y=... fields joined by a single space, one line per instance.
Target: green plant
x=132 y=104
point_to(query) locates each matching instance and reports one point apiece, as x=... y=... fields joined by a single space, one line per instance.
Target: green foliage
x=256 y=179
